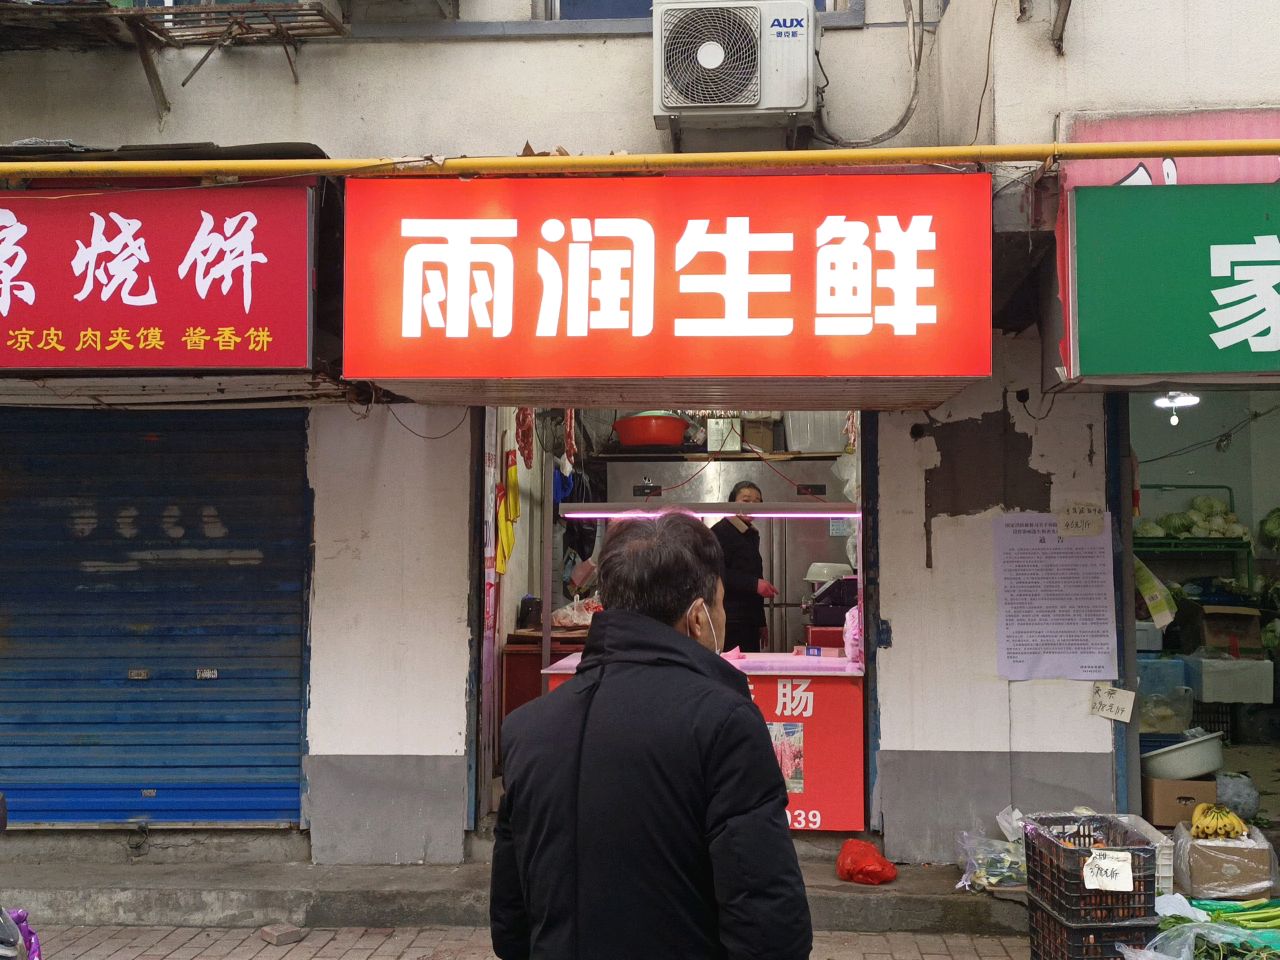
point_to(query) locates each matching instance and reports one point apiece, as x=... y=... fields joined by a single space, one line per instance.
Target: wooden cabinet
x=522 y=667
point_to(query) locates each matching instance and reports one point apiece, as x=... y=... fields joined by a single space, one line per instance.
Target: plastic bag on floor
x=1179 y=943
x=991 y=864
x=860 y=862
x=30 y=939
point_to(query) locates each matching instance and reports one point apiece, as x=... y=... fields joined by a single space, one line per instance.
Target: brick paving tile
x=309 y=945
x=453 y=943
x=248 y=948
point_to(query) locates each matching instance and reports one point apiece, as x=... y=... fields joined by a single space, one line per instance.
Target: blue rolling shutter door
x=153 y=590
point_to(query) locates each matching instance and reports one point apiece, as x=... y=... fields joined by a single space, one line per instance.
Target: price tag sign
x=1114 y=703
x=1081 y=520
x=1109 y=870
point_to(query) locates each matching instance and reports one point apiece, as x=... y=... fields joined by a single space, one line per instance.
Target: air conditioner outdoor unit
x=734 y=63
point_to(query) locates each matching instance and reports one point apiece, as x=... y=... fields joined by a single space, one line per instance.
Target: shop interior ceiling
x=818 y=393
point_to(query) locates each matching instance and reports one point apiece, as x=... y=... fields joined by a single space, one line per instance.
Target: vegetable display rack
x=1058 y=848
x=1202 y=546
x=1051 y=939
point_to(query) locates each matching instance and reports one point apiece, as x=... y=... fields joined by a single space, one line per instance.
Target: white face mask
x=715 y=637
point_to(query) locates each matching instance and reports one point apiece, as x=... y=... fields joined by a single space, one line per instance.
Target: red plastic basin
x=651 y=431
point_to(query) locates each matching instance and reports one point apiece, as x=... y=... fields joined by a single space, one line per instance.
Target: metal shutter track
x=152 y=546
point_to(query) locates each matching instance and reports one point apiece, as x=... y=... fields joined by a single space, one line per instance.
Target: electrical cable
x=915 y=49
x=422 y=436
x=1217 y=438
x=986 y=79
x=1053 y=398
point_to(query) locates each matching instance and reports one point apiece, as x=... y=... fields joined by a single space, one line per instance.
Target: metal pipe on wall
x=638 y=163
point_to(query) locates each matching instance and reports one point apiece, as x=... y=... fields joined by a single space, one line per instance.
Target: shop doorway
x=1208 y=529
x=573 y=469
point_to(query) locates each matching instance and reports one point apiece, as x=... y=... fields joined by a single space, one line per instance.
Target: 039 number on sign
x=805 y=819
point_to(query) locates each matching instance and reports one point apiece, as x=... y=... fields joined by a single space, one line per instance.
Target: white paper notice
x=1109 y=870
x=1114 y=703
x=1056 y=601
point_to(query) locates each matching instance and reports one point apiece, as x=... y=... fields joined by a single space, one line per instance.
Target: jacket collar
x=620 y=636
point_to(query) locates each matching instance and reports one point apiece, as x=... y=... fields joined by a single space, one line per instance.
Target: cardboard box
x=1223 y=869
x=759 y=434
x=1234 y=630
x=1231 y=681
x=1167 y=803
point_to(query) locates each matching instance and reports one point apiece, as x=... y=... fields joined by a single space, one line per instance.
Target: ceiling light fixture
x=1175 y=400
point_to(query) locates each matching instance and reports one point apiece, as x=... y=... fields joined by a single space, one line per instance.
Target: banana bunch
x=1212 y=821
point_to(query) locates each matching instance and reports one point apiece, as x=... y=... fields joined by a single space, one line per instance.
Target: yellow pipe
x=637 y=163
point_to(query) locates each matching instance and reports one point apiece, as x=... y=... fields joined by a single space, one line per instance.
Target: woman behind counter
x=745 y=589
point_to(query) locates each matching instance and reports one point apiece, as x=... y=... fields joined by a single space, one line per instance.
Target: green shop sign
x=1176 y=280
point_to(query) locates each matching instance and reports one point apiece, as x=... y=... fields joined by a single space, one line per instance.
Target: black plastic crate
x=1213 y=718
x=1051 y=939
x=1057 y=848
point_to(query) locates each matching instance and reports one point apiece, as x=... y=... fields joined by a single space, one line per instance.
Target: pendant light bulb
x=1173 y=419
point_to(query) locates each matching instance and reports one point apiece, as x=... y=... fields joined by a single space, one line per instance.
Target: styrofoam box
x=1164 y=850
x=1160 y=677
x=1231 y=681
x=1150 y=637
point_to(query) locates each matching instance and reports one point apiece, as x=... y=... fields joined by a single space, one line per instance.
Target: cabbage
x=1149 y=528
x=1196 y=516
x=1232 y=518
x=1209 y=506
x=1200 y=530
x=1236 y=531
x=1269 y=530
x=1217 y=524
x=1177 y=523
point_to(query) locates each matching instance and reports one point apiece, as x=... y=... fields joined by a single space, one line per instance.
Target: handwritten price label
x=1114 y=703
x=1109 y=870
x=1081 y=520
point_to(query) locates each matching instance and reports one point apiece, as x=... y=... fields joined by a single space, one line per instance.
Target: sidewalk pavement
x=923 y=900
x=447 y=943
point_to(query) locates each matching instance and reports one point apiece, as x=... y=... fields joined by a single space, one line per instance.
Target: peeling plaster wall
x=943 y=709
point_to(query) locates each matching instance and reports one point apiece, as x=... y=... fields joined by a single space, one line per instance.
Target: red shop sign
x=156 y=280
x=815 y=723
x=776 y=276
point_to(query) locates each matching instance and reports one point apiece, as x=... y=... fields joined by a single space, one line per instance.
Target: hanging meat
x=524 y=435
x=570 y=438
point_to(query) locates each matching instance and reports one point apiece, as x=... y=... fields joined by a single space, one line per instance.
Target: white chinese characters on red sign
x=464 y=277
x=112 y=264
x=140 y=279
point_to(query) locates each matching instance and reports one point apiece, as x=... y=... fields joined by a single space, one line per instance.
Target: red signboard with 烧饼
x=155 y=279
x=675 y=276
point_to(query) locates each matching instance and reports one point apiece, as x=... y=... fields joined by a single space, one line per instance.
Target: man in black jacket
x=645 y=815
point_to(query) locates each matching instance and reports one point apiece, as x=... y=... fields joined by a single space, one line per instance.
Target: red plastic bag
x=860 y=862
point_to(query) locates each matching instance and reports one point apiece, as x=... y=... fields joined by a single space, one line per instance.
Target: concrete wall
x=390 y=642
x=957 y=742
x=1141 y=55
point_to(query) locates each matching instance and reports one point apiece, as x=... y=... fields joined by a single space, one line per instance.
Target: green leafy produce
x=1269 y=530
x=1196 y=516
x=1210 y=506
x=1217 y=523
x=1149 y=528
x=1177 y=523
x=1200 y=530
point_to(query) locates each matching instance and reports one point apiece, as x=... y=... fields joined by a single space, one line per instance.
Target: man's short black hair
x=659 y=565
x=743 y=485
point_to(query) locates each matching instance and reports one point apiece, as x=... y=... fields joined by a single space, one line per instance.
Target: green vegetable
x=1196 y=516
x=1177 y=523
x=1269 y=530
x=1149 y=528
x=1210 y=506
